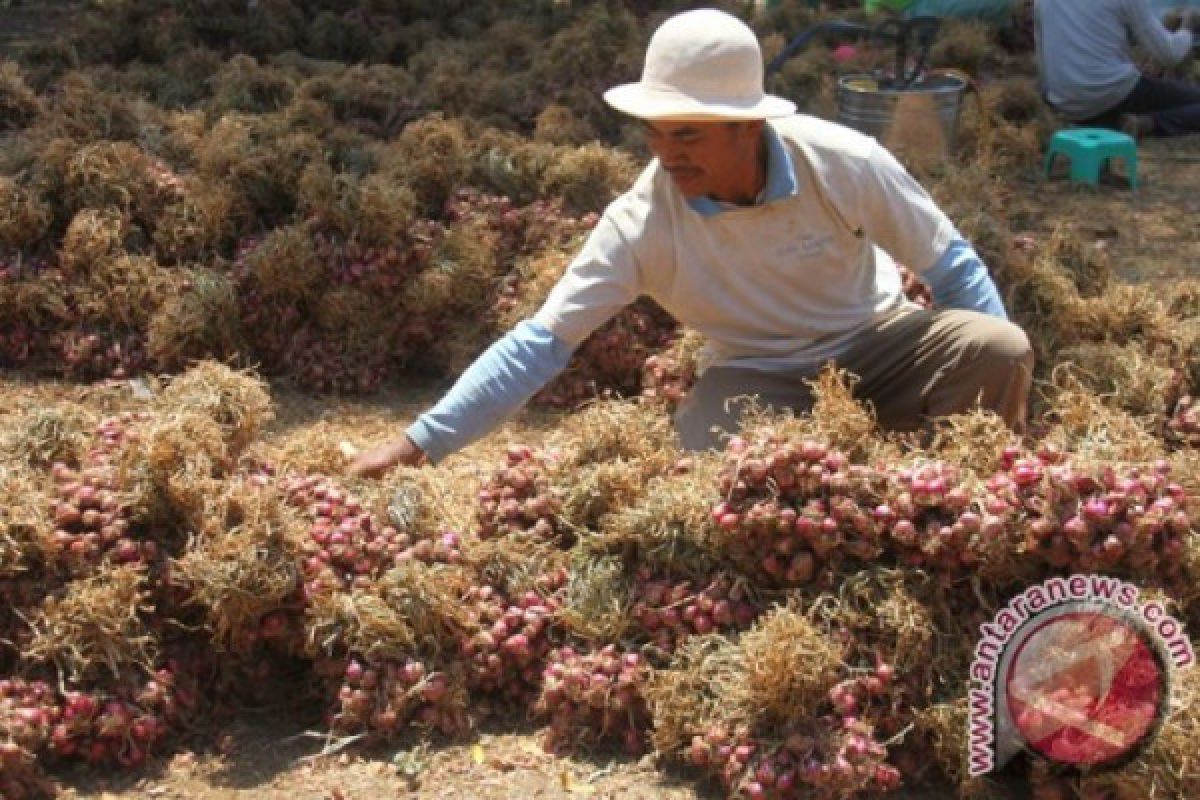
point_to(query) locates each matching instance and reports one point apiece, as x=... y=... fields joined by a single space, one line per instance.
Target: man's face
x=705 y=157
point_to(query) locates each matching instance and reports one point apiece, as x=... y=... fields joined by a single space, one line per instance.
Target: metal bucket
x=919 y=122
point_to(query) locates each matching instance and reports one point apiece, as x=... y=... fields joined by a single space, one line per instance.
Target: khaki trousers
x=913 y=365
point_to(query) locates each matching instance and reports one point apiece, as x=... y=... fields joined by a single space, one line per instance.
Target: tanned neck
x=746 y=190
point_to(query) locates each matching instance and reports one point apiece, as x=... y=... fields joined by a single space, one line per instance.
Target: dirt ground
x=1151 y=234
x=263 y=759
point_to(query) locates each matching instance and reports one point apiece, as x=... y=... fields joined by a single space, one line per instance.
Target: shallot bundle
x=1096 y=517
x=790 y=508
x=507 y=653
x=595 y=695
x=348 y=546
x=383 y=696
x=668 y=612
x=828 y=757
x=519 y=497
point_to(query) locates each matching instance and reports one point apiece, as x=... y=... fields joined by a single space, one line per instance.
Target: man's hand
x=378 y=460
x=1179 y=18
x=915 y=289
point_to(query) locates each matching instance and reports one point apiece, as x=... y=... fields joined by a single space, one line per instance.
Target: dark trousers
x=1173 y=105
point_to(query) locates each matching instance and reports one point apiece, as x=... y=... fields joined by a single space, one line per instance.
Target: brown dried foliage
x=558 y=124
x=355 y=316
x=961 y=44
x=837 y=418
x=24 y=216
x=462 y=274
x=1122 y=313
x=40 y=435
x=597 y=603
x=423 y=500
x=83 y=112
x=286 y=264
x=516 y=563
x=686 y=698
x=670 y=528
x=587 y=178
x=887 y=610
x=385 y=210
x=1127 y=375
x=200 y=321
x=169 y=469
x=372 y=97
x=430 y=156
x=261 y=160
x=612 y=449
x=974 y=440
x=197 y=223
x=1079 y=421
x=244 y=563
x=23 y=523
x=97 y=624
x=92 y=236
x=106 y=174
x=19 y=104
x=511 y=165
x=412 y=609
x=309 y=450
x=328 y=200
x=125 y=290
x=238 y=401
x=40 y=300
x=944 y=725
x=785 y=668
x=243 y=85
x=535 y=274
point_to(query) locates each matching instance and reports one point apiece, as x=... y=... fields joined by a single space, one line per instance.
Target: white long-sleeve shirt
x=779 y=285
x=1083 y=51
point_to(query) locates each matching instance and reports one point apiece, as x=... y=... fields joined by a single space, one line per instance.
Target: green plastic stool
x=1089 y=148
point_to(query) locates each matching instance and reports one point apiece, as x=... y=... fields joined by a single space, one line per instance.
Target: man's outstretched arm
x=493 y=388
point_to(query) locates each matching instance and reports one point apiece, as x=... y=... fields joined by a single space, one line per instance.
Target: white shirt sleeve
x=1165 y=47
x=898 y=215
x=601 y=280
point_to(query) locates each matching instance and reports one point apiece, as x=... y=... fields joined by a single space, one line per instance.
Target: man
x=1088 y=74
x=757 y=227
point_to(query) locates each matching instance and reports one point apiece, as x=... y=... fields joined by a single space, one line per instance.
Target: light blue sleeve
x=960 y=280
x=492 y=389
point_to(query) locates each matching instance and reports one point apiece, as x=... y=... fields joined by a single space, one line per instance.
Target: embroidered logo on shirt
x=806 y=246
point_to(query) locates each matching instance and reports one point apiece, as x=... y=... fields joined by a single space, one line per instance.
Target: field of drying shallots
x=240 y=241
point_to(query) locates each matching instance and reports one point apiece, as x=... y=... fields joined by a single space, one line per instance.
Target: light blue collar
x=781 y=178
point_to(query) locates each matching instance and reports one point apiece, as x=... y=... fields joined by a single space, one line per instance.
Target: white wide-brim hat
x=703 y=64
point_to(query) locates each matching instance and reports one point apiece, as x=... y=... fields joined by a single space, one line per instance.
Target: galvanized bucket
x=919 y=121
